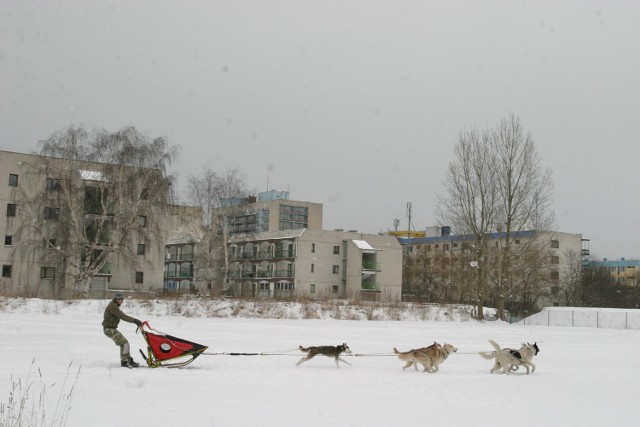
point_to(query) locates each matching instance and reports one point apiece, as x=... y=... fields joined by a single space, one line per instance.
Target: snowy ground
x=584 y=376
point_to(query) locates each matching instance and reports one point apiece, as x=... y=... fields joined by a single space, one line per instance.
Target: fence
x=585 y=317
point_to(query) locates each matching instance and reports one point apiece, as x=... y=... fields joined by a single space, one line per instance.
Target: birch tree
x=99 y=186
x=219 y=197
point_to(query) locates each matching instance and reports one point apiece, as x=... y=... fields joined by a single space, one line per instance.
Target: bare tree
x=219 y=197
x=99 y=187
x=570 y=286
x=525 y=191
x=496 y=184
x=470 y=201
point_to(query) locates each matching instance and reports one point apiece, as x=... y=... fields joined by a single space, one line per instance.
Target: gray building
x=324 y=264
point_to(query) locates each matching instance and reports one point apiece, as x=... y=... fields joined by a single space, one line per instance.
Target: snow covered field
x=584 y=376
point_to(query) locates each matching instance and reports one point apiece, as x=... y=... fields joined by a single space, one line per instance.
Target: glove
x=137 y=322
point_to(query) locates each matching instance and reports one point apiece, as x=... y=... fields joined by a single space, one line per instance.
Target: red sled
x=167 y=351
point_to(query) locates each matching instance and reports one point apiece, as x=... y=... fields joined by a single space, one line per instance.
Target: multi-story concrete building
x=316 y=264
x=33 y=269
x=623 y=271
x=271 y=210
x=184 y=237
x=456 y=253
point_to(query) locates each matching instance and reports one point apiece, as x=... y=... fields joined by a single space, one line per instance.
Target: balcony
x=287 y=253
x=369 y=265
x=369 y=285
x=179 y=257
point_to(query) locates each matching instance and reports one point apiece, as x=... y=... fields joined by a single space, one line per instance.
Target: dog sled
x=167 y=351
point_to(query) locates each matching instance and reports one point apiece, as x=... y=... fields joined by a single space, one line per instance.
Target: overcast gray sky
x=354 y=104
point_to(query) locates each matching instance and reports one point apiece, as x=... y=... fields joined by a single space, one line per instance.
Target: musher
x=112 y=316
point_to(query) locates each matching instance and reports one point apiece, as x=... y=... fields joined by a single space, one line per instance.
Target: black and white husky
x=326 y=350
x=509 y=359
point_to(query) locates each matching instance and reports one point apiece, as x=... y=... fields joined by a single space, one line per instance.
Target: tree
x=99 y=187
x=570 y=286
x=470 y=201
x=219 y=197
x=496 y=184
x=525 y=191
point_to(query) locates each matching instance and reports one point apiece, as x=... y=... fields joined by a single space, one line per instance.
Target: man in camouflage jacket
x=112 y=317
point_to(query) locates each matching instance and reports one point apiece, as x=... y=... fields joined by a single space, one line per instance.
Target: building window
x=555 y=244
x=11 y=209
x=6 y=271
x=555 y=259
x=283 y=286
x=555 y=275
x=336 y=269
x=8 y=240
x=445 y=247
x=47 y=273
x=142 y=221
x=313 y=267
x=313 y=248
x=336 y=250
x=13 y=180
x=140 y=248
x=139 y=277
x=334 y=289
x=517 y=241
x=49 y=243
x=52 y=184
x=312 y=288
x=51 y=213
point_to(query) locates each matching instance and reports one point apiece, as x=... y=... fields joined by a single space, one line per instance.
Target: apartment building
x=31 y=259
x=184 y=237
x=562 y=255
x=623 y=271
x=316 y=264
x=269 y=211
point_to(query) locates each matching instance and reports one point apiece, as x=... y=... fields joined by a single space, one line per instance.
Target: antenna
x=396 y=223
x=409 y=208
x=269 y=170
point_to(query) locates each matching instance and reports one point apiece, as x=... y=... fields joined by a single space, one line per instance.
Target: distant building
x=184 y=234
x=316 y=264
x=270 y=211
x=623 y=271
x=36 y=269
x=449 y=260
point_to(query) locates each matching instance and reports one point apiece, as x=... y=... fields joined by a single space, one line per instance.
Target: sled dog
x=326 y=350
x=509 y=359
x=429 y=357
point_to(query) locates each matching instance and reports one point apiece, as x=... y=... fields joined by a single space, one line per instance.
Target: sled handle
x=141 y=327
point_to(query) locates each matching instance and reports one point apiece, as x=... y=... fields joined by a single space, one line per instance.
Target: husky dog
x=509 y=359
x=326 y=350
x=429 y=357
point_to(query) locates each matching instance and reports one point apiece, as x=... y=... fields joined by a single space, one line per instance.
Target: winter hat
x=119 y=296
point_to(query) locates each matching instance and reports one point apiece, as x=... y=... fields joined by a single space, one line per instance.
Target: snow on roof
x=91 y=175
x=364 y=245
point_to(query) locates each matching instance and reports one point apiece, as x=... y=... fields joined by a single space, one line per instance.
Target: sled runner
x=168 y=351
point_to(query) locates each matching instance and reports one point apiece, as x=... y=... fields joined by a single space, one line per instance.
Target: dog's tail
x=495 y=345
x=303 y=349
x=395 y=350
x=490 y=354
